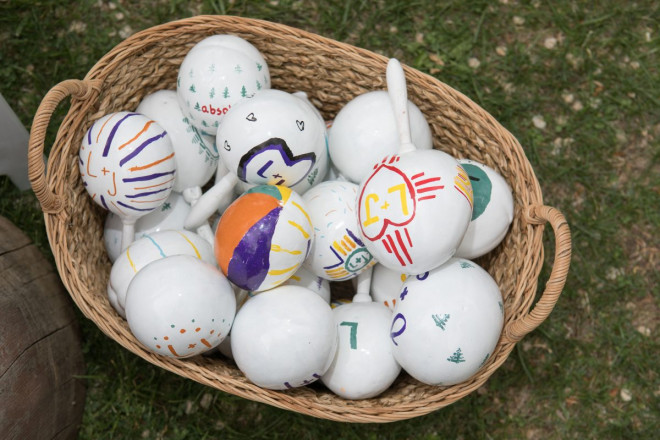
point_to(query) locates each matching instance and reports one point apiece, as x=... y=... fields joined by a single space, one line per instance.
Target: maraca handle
x=79 y=90
x=209 y=202
x=396 y=89
x=538 y=215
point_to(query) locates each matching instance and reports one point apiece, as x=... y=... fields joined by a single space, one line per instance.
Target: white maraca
x=386 y=285
x=447 y=322
x=415 y=206
x=337 y=253
x=214 y=76
x=364 y=365
x=274 y=138
x=492 y=213
x=148 y=248
x=170 y=215
x=196 y=159
x=180 y=306
x=364 y=131
x=284 y=338
x=127 y=165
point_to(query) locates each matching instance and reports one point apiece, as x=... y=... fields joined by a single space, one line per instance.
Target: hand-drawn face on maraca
x=492 y=213
x=180 y=306
x=214 y=78
x=127 y=165
x=364 y=365
x=274 y=138
x=414 y=209
x=337 y=253
x=447 y=322
x=196 y=160
x=263 y=237
x=150 y=247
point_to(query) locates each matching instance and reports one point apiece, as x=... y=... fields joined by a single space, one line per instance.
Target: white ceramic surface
x=148 y=248
x=386 y=285
x=275 y=138
x=447 y=322
x=214 y=76
x=337 y=253
x=414 y=209
x=364 y=365
x=263 y=237
x=170 y=215
x=284 y=338
x=196 y=159
x=492 y=213
x=364 y=131
x=126 y=162
x=180 y=306
x=311 y=281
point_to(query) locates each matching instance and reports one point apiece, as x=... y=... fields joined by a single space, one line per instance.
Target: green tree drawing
x=258 y=85
x=212 y=68
x=238 y=68
x=466 y=265
x=212 y=93
x=225 y=93
x=197 y=106
x=192 y=88
x=440 y=322
x=457 y=357
x=259 y=67
x=243 y=92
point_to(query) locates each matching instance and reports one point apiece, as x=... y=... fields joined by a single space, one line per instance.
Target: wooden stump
x=40 y=350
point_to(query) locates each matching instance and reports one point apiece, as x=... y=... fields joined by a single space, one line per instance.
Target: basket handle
x=50 y=202
x=538 y=215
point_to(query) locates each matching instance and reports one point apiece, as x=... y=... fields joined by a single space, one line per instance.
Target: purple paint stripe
x=113 y=132
x=141 y=147
x=104 y=205
x=134 y=208
x=89 y=133
x=357 y=240
x=147 y=177
x=341 y=260
x=144 y=194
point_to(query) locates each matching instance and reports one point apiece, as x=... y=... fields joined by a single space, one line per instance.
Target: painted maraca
x=364 y=131
x=364 y=365
x=386 y=285
x=447 y=322
x=214 y=76
x=180 y=306
x=274 y=138
x=284 y=338
x=148 y=248
x=170 y=215
x=415 y=206
x=263 y=237
x=492 y=213
x=337 y=253
x=127 y=165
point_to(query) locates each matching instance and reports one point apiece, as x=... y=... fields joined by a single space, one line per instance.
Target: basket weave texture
x=331 y=73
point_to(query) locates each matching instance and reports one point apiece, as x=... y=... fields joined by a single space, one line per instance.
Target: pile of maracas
x=244 y=264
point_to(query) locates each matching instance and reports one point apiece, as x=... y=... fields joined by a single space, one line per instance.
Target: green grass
x=589 y=70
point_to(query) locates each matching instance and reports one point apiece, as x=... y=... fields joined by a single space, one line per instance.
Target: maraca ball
x=492 y=213
x=364 y=131
x=180 y=306
x=263 y=237
x=337 y=253
x=284 y=338
x=305 y=278
x=447 y=322
x=148 y=248
x=196 y=159
x=364 y=365
x=414 y=209
x=386 y=285
x=170 y=215
x=275 y=138
x=213 y=78
x=126 y=162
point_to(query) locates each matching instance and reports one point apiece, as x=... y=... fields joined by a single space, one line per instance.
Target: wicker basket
x=332 y=73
